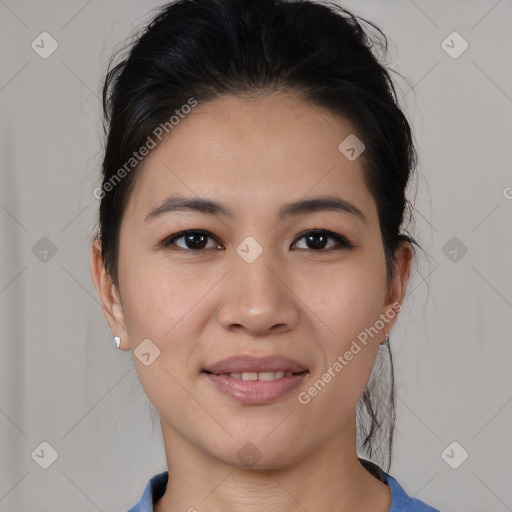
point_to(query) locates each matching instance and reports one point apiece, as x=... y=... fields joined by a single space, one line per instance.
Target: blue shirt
x=400 y=501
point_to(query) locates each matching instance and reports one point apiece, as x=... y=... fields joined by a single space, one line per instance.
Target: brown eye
x=316 y=240
x=192 y=240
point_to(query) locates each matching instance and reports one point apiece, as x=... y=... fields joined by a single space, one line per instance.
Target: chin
x=258 y=454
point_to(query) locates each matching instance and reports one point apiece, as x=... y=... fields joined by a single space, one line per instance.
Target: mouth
x=255 y=381
x=267 y=376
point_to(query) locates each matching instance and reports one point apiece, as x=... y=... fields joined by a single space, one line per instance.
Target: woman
x=250 y=251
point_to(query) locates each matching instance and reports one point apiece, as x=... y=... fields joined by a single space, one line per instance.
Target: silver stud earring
x=117 y=341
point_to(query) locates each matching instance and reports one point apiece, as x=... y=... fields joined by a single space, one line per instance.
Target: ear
x=108 y=294
x=397 y=287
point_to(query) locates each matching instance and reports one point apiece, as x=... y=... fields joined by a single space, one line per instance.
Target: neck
x=198 y=481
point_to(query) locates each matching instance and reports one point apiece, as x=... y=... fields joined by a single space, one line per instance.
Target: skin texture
x=253 y=155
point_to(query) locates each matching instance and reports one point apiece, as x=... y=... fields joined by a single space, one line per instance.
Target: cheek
x=163 y=306
x=157 y=297
x=348 y=298
x=348 y=301
x=168 y=305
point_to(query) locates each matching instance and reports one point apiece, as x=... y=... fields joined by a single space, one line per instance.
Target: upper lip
x=248 y=363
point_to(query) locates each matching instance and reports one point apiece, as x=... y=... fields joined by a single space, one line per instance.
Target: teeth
x=249 y=376
x=260 y=375
x=270 y=375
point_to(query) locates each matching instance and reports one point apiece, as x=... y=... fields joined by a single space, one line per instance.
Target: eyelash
x=342 y=242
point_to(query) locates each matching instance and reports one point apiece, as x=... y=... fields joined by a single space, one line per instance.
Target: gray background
x=63 y=382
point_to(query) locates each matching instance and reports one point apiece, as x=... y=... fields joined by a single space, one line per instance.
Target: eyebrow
x=207 y=206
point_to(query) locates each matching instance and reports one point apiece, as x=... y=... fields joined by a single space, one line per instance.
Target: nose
x=258 y=298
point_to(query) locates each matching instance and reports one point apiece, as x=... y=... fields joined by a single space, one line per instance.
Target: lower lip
x=256 y=392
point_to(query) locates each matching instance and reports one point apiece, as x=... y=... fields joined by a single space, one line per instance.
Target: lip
x=255 y=392
x=247 y=363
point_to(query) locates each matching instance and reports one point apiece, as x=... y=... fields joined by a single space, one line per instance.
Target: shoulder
x=401 y=501
x=153 y=491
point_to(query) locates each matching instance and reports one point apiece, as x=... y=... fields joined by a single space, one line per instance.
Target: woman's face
x=254 y=282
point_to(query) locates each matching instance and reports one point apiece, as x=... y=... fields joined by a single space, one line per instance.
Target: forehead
x=251 y=152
